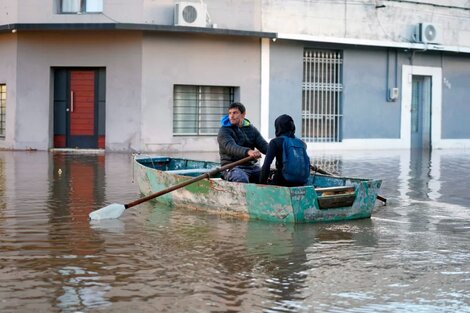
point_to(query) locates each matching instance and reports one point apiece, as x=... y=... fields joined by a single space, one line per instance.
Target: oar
x=319 y=170
x=115 y=210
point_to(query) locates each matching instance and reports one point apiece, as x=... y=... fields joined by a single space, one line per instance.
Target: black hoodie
x=284 y=126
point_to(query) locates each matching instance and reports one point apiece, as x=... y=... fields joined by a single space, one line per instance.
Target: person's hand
x=254 y=153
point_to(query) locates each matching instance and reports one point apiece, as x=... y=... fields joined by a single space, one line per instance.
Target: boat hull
x=325 y=199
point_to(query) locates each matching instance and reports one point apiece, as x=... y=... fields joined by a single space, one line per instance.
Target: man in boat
x=237 y=139
x=285 y=130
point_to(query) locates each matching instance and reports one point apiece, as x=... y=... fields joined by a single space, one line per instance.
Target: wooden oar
x=115 y=210
x=319 y=170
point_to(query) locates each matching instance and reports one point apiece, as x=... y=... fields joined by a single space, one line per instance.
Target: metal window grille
x=197 y=109
x=3 y=109
x=321 y=96
x=329 y=163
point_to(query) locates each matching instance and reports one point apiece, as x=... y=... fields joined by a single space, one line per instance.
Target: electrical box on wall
x=393 y=94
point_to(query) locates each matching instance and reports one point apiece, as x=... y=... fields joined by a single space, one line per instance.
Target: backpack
x=296 y=163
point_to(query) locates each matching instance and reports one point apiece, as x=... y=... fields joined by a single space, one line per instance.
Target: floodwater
x=413 y=255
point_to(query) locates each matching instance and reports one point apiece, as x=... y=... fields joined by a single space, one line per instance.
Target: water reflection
x=412 y=255
x=77 y=184
x=425 y=175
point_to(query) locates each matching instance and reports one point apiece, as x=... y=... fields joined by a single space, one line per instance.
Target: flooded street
x=413 y=255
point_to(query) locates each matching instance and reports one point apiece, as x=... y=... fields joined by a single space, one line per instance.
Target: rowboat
x=323 y=199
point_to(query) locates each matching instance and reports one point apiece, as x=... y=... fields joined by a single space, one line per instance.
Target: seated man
x=289 y=172
x=238 y=139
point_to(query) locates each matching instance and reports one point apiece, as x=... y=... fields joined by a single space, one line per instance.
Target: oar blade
x=108 y=212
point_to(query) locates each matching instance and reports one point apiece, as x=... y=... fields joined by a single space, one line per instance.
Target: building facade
x=156 y=76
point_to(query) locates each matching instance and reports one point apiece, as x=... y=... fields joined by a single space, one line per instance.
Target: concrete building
x=146 y=75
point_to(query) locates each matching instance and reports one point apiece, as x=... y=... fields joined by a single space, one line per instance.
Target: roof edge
x=374 y=43
x=132 y=26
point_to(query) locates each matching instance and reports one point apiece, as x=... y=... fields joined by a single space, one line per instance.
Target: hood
x=284 y=126
x=225 y=121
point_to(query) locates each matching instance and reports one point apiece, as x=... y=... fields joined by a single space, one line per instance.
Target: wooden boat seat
x=335 y=190
x=193 y=172
x=335 y=197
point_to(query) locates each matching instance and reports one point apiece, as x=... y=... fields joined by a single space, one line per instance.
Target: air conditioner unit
x=427 y=33
x=190 y=14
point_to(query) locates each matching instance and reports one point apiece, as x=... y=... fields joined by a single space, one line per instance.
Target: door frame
x=62 y=101
x=436 y=103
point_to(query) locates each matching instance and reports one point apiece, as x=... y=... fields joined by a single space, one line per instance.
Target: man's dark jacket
x=235 y=142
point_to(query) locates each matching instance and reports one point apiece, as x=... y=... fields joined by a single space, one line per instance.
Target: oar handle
x=319 y=170
x=188 y=182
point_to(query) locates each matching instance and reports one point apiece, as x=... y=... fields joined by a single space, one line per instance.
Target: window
x=197 y=109
x=80 y=6
x=321 y=96
x=3 y=109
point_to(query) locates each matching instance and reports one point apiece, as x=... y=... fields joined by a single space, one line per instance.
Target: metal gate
x=321 y=96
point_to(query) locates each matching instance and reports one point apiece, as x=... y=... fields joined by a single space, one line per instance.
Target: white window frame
x=3 y=110
x=80 y=6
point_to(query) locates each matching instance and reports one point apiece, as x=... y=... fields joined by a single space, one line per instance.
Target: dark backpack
x=296 y=163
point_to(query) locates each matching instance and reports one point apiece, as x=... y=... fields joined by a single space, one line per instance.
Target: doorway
x=79 y=108
x=421 y=112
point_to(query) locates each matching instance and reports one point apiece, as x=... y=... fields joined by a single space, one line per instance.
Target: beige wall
x=194 y=60
x=359 y=19
x=140 y=73
x=119 y=52
x=240 y=14
x=45 y=11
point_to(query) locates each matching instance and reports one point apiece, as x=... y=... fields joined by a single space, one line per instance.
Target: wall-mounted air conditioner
x=427 y=33
x=190 y=14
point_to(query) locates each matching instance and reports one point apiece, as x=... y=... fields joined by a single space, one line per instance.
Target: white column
x=264 y=110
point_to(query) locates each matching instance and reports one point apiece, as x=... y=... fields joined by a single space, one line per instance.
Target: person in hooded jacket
x=284 y=126
x=237 y=139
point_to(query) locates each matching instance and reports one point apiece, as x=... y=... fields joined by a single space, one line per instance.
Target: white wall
x=8 y=11
x=8 y=76
x=361 y=19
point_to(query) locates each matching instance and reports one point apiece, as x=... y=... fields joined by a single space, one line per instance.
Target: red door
x=79 y=108
x=82 y=125
x=82 y=103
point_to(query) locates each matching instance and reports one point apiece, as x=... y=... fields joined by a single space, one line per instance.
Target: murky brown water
x=413 y=255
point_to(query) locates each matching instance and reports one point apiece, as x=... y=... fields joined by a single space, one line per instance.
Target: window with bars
x=197 y=109
x=321 y=96
x=80 y=6
x=3 y=109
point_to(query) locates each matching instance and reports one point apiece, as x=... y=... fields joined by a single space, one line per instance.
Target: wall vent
x=190 y=14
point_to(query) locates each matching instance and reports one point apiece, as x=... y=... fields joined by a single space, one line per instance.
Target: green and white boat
x=325 y=198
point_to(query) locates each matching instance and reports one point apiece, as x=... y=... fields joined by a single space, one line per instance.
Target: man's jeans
x=243 y=174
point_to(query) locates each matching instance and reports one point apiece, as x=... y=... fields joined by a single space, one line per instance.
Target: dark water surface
x=413 y=255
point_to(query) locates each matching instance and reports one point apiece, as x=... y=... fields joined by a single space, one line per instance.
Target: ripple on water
x=411 y=256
